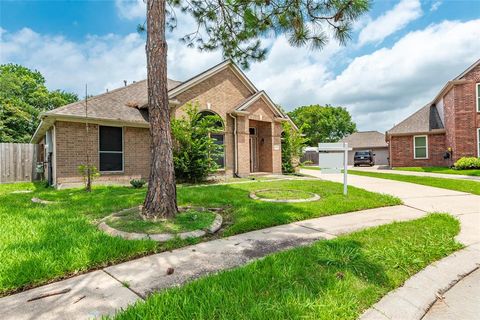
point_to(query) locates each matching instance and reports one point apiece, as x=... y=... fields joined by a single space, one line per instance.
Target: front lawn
x=335 y=279
x=445 y=183
x=446 y=170
x=40 y=243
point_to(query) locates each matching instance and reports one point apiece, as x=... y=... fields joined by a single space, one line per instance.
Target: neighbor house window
x=478 y=97
x=111 y=149
x=478 y=142
x=420 y=147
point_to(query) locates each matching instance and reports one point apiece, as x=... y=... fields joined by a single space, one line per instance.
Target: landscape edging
x=160 y=237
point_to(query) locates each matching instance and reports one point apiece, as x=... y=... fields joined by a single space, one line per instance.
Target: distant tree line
x=23 y=96
x=323 y=123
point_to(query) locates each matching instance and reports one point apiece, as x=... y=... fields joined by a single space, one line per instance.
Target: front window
x=420 y=146
x=111 y=149
x=218 y=137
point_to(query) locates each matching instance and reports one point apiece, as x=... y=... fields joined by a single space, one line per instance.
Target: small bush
x=137 y=183
x=292 y=145
x=467 y=163
x=88 y=173
x=195 y=152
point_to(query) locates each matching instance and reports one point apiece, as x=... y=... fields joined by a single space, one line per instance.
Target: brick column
x=243 y=146
x=277 y=147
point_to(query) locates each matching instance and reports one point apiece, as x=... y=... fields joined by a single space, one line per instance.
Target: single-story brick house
x=368 y=140
x=444 y=130
x=118 y=142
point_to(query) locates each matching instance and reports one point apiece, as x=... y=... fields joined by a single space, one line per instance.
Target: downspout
x=235 y=142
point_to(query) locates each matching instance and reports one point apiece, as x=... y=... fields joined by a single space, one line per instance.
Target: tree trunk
x=161 y=199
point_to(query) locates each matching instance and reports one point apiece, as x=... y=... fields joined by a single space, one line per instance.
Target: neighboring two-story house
x=444 y=130
x=118 y=139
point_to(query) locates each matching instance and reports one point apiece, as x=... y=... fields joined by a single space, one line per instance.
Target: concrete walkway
x=386 y=169
x=105 y=291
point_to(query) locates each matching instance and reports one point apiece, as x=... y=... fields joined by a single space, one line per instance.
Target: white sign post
x=332 y=158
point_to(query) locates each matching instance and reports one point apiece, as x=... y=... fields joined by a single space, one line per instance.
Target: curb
x=416 y=296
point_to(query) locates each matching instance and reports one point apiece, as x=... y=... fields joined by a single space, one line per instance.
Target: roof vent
x=125 y=82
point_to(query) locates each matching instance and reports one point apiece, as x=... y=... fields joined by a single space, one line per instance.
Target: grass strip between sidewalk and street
x=334 y=279
x=445 y=183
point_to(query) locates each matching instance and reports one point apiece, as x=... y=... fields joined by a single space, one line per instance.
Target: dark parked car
x=364 y=157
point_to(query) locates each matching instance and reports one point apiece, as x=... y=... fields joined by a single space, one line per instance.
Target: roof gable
x=366 y=139
x=211 y=72
x=248 y=102
x=425 y=120
x=464 y=73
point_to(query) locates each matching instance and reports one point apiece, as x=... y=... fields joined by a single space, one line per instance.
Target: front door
x=253 y=150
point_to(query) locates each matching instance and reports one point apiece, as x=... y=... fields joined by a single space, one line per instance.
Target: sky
x=400 y=54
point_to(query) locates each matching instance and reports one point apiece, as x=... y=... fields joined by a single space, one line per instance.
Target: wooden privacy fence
x=17 y=162
x=310 y=156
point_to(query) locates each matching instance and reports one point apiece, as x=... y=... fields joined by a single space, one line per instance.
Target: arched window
x=219 y=137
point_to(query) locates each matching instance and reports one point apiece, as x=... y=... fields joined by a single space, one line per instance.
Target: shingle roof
x=366 y=139
x=425 y=120
x=119 y=104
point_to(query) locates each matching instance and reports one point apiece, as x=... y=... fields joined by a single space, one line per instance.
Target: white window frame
x=122 y=152
x=478 y=142
x=477 y=89
x=415 y=147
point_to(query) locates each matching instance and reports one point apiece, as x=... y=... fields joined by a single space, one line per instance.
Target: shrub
x=292 y=145
x=137 y=183
x=195 y=151
x=88 y=173
x=467 y=163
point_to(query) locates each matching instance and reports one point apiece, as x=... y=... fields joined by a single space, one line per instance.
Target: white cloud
x=390 y=22
x=131 y=9
x=385 y=86
x=379 y=89
x=101 y=61
x=435 y=5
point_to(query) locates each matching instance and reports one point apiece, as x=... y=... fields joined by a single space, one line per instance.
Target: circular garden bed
x=190 y=222
x=284 y=195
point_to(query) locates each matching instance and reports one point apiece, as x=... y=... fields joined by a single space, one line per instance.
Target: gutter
x=235 y=146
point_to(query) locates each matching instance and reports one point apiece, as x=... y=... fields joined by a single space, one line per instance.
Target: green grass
x=283 y=194
x=335 y=279
x=446 y=170
x=41 y=243
x=131 y=221
x=445 y=183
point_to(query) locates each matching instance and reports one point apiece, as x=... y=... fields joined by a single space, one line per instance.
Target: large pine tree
x=235 y=27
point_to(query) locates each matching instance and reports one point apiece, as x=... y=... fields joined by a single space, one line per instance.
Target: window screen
x=111 y=148
x=420 y=146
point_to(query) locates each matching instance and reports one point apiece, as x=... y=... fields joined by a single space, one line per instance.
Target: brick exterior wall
x=401 y=152
x=220 y=93
x=461 y=121
x=71 y=152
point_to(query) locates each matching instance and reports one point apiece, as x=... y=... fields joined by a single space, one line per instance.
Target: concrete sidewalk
x=386 y=169
x=105 y=291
